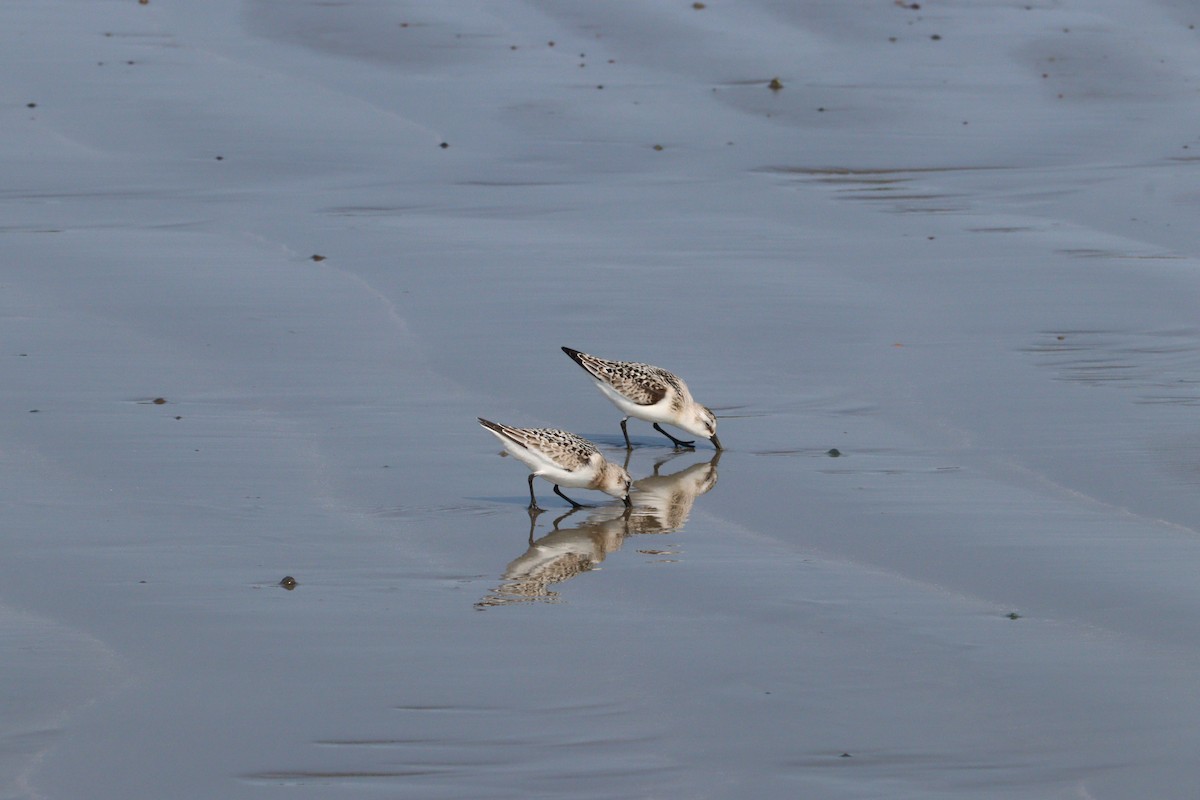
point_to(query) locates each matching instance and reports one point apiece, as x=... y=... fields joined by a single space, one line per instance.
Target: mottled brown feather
x=569 y=451
x=644 y=384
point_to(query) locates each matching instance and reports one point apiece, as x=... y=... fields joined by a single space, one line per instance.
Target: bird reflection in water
x=661 y=504
x=664 y=502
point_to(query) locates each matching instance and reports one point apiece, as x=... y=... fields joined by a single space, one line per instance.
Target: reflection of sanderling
x=649 y=393
x=559 y=556
x=665 y=501
x=562 y=458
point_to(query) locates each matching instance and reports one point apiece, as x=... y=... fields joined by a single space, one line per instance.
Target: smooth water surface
x=940 y=288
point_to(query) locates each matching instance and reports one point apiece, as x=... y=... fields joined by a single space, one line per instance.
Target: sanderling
x=649 y=393
x=563 y=459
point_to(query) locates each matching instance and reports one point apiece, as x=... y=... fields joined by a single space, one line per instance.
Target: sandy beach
x=934 y=266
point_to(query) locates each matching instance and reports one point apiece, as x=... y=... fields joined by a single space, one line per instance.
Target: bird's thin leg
x=678 y=442
x=533 y=506
x=558 y=492
x=624 y=430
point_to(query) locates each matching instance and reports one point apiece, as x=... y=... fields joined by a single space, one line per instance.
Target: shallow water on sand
x=940 y=289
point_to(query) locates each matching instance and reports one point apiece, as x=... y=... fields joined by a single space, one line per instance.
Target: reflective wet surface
x=940 y=289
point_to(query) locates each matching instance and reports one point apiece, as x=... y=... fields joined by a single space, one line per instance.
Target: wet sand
x=956 y=246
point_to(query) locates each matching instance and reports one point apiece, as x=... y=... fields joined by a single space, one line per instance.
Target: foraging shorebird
x=650 y=393
x=562 y=458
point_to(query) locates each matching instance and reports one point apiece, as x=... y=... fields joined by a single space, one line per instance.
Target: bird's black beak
x=716 y=442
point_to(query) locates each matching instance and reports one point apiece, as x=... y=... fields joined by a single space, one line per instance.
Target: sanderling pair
x=639 y=390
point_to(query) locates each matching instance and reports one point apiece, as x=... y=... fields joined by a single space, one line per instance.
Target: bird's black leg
x=628 y=445
x=533 y=506
x=558 y=492
x=678 y=442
